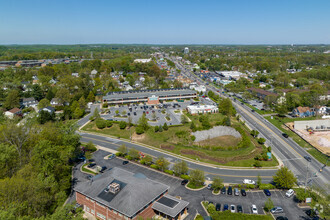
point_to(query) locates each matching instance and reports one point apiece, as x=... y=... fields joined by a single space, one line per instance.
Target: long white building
x=202 y=109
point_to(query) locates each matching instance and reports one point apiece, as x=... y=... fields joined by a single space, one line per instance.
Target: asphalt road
x=285 y=148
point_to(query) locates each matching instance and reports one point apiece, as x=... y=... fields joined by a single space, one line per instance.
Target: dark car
x=308 y=158
x=243 y=192
x=184 y=182
x=267 y=192
x=89 y=177
x=128 y=114
x=211 y=203
x=225 y=207
x=125 y=162
x=285 y=135
x=281 y=218
x=230 y=190
x=223 y=190
x=103 y=169
x=91 y=160
x=252 y=110
x=134 y=113
x=239 y=208
x=91 y=165
x=217 y=207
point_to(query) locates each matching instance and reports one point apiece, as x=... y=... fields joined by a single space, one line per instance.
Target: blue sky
x=165 y=22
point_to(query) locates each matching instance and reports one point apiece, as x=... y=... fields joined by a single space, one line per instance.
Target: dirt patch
x=138 y=137
x=224 y=141
x=220 y=160
x=167 y=147
x=319 y=139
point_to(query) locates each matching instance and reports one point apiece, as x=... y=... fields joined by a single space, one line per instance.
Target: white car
x=289 y=193
x=247 y=181
x=254 y=209
x=232 y=208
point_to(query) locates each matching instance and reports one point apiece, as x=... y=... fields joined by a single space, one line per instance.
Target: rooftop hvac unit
x=114 y=188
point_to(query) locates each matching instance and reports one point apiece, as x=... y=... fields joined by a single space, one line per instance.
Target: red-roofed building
x=13 y=112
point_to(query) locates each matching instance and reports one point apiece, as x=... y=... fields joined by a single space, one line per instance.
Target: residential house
x=303 y=112
x=48 y=109
x=30 y=102
x=55 y=102
x=75 y=74
x=13 y=112
x=260 y=93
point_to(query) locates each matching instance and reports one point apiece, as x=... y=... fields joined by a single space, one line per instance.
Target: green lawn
x=172 y=141
x=279 y=123
x=193 y=186
x=87 y=170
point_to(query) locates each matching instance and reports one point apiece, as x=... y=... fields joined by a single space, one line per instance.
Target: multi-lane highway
x=288 y=151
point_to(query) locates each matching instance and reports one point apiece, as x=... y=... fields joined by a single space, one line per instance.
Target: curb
x=207 y=213
x=186 y=186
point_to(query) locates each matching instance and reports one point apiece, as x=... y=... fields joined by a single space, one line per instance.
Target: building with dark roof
x=152 y=97
x=262 y=94
x=120 y=194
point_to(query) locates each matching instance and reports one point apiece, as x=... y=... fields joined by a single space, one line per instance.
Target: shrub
x=156 y=128
x=165 y=127
x=193 y=138
x=118 y=154
x=169 y=172
x=100 y=123
x=261 y=140
x=185 y=177
x=257 y=163
x=250 y=186
x=139 y=130
x=268 y=205
x=109 y=124
x=154 y=166
x=266 y=186
x=90 y=147
x=128 y=157
x=105 y=105
x=122 y=124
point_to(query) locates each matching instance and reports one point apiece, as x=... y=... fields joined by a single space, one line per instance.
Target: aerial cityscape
x=196 y=110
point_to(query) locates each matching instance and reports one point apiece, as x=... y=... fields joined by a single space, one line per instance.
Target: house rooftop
x=136 y=191
x=170 y=205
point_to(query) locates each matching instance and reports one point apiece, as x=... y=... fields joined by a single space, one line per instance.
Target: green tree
x=197 y=177
x=226 y=107
x=268 y=205
x=261 y=140
x=100 y=123
x=12 y=100
x=254 y=133
x=162 y=163
x=147 y=160
x=37 y=92
x=180 y=167
x=45 y=116
x=259 y=181
x=50 y=94
x=284 y=178
x=133 y=153
x=63 y=95
x=160 y=129
x=193 y=127
x=82 y=103
x=184 y=119
x=43 y=103
x=122 y=149
x=117 y=112
x=123 y=113
x=91 y=97
x=143 y=123
x=217 y=183
x=122 y=124
x=156 y=128
x=165 y=127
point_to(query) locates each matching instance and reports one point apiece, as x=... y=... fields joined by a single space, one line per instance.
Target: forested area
x=35 y=169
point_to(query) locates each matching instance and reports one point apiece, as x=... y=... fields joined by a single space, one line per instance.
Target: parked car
x=217 y=207
x=254 y=209
x=236 y=192
x=239 y=208
x=223 y=190
x=89 y=177
x=308 y=158
x=210 y=202
x=285 y=135
x=247 y=181
x=125 y=162
x=111 y=156
x=225 y=207
x=276 y=210
x=103 y=169
x=91 y=165
x=184 y=182
x=267 y=192
x=289 y=193
x=134 y=113
x=230 y=190
x=232 y=208
x=281 y=218
x=252 y=110
x=243 y=192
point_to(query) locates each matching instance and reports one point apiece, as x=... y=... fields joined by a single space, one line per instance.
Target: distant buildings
x=151 y=97
x=30 y=102
x=202 y=109
x=198 y=88
x=142 y=60
x=303 y=112
x=235 y=75
x=260 y=93
x=13 y=112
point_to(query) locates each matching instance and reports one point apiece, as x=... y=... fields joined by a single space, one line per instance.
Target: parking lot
x=291 y=211
x=135 y=111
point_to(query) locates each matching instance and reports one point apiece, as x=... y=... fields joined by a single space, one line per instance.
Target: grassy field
x=177 y=140
x=280 y=125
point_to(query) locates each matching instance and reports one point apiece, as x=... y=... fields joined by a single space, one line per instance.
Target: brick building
x=120 y=194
